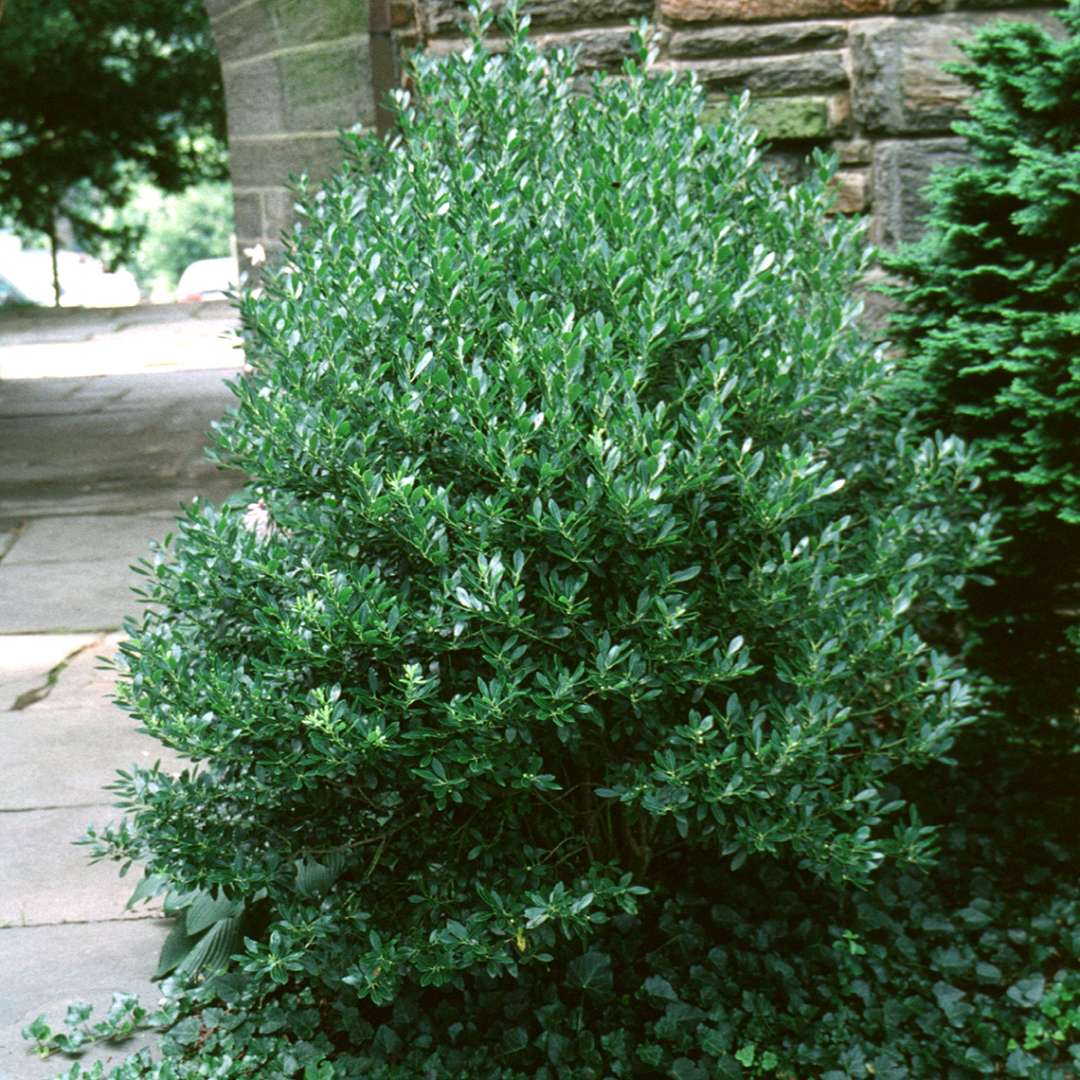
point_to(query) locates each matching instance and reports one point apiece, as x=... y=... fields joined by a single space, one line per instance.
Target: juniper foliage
x=991 y=324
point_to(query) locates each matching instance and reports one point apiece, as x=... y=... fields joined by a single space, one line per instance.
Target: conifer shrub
x=991 y=327
x=582 y=574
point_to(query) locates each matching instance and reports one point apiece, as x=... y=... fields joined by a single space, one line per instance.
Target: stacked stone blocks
x=861 y=77
x=296 y=72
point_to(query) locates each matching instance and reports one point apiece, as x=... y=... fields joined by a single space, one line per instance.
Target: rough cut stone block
x=840 y=114
x=852 y=189
x=689 y=11
x=999 y=5
x=216 y=8
x=247 y=213
x=854 y=152
x=791 y=117
x=328 y=88
x=254 y=98
x=253 y=29
x=446 y=16
x=268 y=162
x=402 y=13
x=278 y=213
x=901 y=171
x=899 y=85
x=719 y=41
x=792 y=164
x=598 y=50
x=801 y=74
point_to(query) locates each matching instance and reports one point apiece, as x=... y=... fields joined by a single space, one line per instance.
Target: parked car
x=11 y=295
x=208 y=279
x=27 y=278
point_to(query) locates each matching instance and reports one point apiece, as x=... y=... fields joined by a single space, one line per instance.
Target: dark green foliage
x=992 y=331
x=589 y=586
x=98 y=95
x=969 y=970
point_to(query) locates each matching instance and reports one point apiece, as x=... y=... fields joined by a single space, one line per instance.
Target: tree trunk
x=55 y=264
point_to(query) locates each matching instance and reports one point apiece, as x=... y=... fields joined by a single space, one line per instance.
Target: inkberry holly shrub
x=586 y=567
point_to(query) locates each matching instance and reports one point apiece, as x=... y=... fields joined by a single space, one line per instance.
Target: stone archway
x=296 y=72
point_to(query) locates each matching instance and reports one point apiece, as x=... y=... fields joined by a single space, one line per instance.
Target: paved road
x=92 y=468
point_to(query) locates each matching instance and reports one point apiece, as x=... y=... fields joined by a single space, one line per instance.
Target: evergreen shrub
x=991 y=327
x=965 y=971
x=584 y=578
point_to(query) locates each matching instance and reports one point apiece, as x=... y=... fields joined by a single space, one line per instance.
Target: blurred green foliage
x=100 y=96
x=175 y=230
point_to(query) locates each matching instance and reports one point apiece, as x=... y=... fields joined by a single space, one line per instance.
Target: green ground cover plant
x=575 y=689
x=966 y=970
x=991 y=324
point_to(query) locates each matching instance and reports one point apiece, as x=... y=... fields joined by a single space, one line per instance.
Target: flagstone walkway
x=92 y=468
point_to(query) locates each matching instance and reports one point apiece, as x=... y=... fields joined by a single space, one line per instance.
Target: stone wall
x=862 y=76
x=296 y=72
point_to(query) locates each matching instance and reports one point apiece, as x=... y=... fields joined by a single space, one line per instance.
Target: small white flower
x=257 y=519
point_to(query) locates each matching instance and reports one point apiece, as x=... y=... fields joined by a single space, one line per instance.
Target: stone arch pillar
x=295 y=72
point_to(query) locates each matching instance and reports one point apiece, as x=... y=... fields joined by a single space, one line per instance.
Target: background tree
x=177 y=229
x=97 y=97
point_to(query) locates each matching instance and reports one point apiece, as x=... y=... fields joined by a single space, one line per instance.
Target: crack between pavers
x=85 y=922
x=52 y=677
x=57 y=806
x=8 y=538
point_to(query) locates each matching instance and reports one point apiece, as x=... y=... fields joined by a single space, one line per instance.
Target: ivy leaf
x=746 y=1055
x=591 y=973
x=658 y=987
x=1027 y=992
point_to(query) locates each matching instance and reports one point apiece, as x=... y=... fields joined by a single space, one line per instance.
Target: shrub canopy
x=587 y=561
x=991 y=326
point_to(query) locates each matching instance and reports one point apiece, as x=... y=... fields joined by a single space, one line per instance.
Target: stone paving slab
x=217 y=349
x=46 y=880
x=115 y=497
x=88 y=679
x=97 y=961
x=133 y=444
x=66 y=597
x=22 y=399
x=43 y=447
x=27 y=659
x=90 y=469
x=88 y=536
x=21 y=326
x=94 y=393
x=40 y=769
x=19 y=1062
x=170 y=336
x=9 y=533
